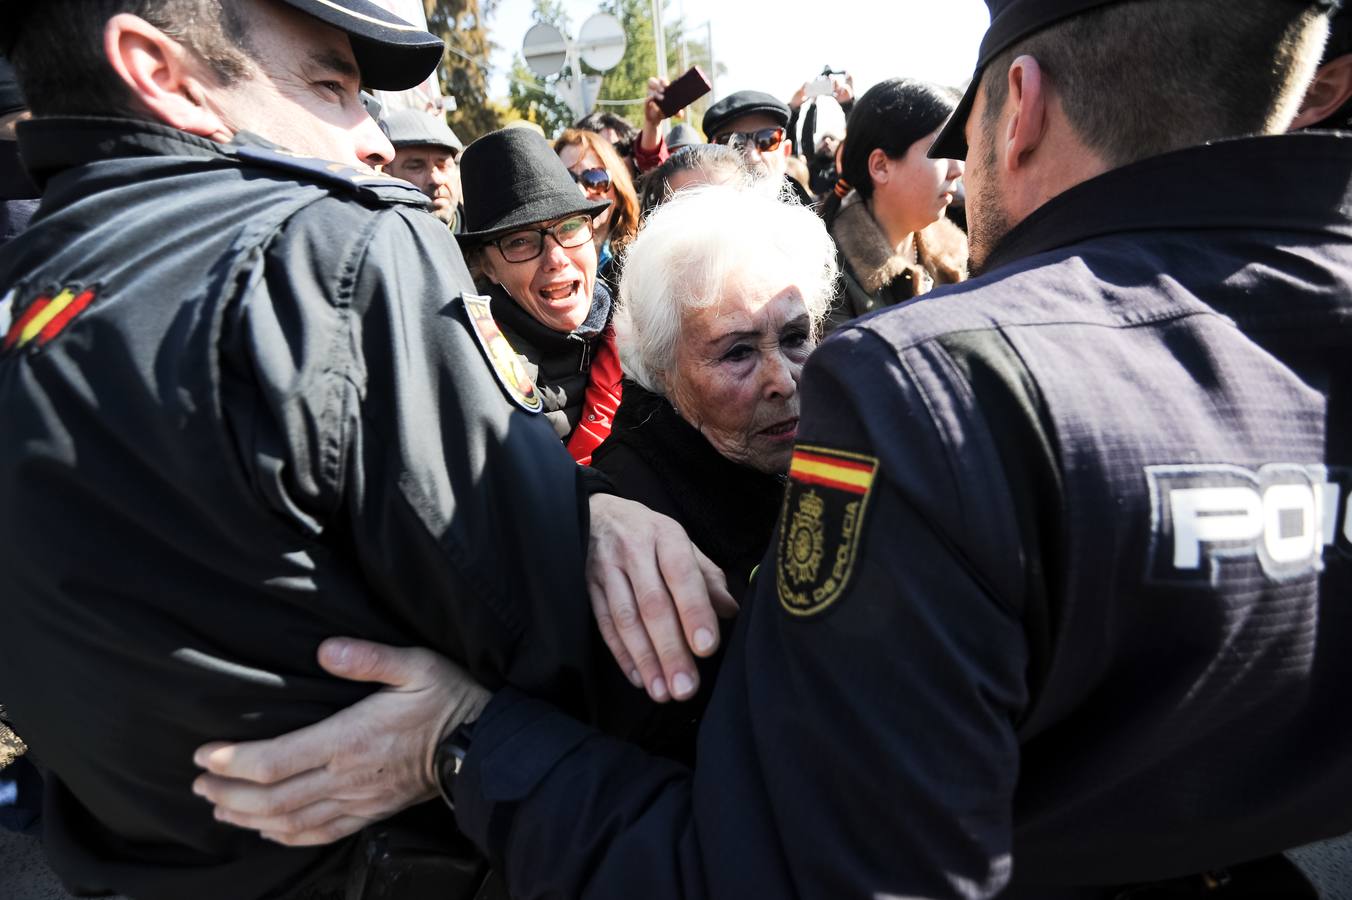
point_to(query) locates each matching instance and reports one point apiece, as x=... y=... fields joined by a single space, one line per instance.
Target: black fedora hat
x=513 y=178
x=1011 y=21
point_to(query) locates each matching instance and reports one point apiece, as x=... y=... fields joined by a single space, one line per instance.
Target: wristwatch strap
x=450 y=759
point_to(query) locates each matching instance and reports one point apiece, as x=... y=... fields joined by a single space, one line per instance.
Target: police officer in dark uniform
x=1058 y=604
x=244 y=409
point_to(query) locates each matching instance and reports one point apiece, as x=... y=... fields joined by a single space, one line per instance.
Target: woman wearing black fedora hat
x=529 y=239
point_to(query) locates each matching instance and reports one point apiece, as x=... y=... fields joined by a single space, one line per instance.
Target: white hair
x=697 y=242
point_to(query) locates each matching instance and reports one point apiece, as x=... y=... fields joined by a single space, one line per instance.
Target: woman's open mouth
x=561 y=292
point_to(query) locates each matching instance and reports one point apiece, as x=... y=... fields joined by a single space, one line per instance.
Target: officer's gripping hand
x=656 y=597
x=364 y=764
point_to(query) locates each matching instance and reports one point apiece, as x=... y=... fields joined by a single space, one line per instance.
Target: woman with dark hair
x=602 y=175
x=887 y=212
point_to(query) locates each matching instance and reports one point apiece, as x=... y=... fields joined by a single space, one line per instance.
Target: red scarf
x=600 y=401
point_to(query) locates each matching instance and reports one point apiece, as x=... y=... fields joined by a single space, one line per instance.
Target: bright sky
x=775 y=47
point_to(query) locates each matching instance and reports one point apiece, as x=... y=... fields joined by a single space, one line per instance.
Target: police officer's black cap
x=393 y=55
x=743 y=103
x=1011 y=21
x=513 y=178
x=11 y=97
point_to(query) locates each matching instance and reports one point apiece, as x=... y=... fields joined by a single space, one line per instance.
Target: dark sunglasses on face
x=765 y=139
x=594 y=180
x=528 y=243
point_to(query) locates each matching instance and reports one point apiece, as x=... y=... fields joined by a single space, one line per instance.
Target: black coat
x=558 y=363
x=270 y=424
x=873 y=276
x=656 y=458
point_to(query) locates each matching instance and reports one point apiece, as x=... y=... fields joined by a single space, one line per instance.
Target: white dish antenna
x=601 y=42
x=545 y=49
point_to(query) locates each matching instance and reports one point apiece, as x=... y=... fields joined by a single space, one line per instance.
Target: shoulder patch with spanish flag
x=35 y=325
x=821 y=525
x=502 y=359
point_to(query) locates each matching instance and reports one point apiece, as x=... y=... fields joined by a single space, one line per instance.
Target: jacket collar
x=52 y=145
x=510 y=313
x=941 y=248
x=1298 y=182
x=14 y=181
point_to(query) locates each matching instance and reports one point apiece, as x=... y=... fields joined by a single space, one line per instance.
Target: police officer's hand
x=656 y=597
x=364 y=764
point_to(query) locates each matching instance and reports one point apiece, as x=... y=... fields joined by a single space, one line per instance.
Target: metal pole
x=713 y=65
x=685 y=63
x=660 y=37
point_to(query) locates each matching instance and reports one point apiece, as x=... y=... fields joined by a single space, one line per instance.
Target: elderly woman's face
x=554 y=287
x=737 y=368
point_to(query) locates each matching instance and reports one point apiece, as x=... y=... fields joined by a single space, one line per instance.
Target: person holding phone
x=665 y=100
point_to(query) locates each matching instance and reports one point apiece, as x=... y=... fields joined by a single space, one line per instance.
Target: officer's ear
x=1330 y=90
x=1028 y=125
x=162 y=76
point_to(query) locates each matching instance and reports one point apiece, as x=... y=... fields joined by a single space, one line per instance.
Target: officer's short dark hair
x=57 y=49
x=1145 y=77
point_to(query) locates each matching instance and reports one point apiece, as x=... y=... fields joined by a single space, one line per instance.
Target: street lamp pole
x=660 y=38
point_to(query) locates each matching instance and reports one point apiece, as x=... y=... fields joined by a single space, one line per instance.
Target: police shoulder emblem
x=820 y=527
x=502 y=359
x=35 y=325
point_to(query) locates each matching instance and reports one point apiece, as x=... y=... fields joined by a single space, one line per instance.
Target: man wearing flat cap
x=245 y=409
x=1058 y=602
x=756 y=124
x=426 y=155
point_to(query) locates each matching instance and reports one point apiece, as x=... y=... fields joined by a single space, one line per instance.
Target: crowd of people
x=953 y=505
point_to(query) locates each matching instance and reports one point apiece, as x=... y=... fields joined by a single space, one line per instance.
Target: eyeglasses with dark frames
x=526 y=244
x=765 y=140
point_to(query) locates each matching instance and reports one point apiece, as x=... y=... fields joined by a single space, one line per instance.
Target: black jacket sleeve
x=389 y=435
x=867 y=749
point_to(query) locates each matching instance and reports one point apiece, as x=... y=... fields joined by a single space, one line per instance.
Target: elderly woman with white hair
x=723 y=297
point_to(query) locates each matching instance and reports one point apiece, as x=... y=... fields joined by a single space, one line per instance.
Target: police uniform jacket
x=244 y=411
x=1059 y=597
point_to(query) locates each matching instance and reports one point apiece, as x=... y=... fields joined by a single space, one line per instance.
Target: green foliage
x=528 y=95
x=463 y=71
x=531 y=100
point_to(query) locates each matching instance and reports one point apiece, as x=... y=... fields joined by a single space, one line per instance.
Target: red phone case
x=684 y=91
